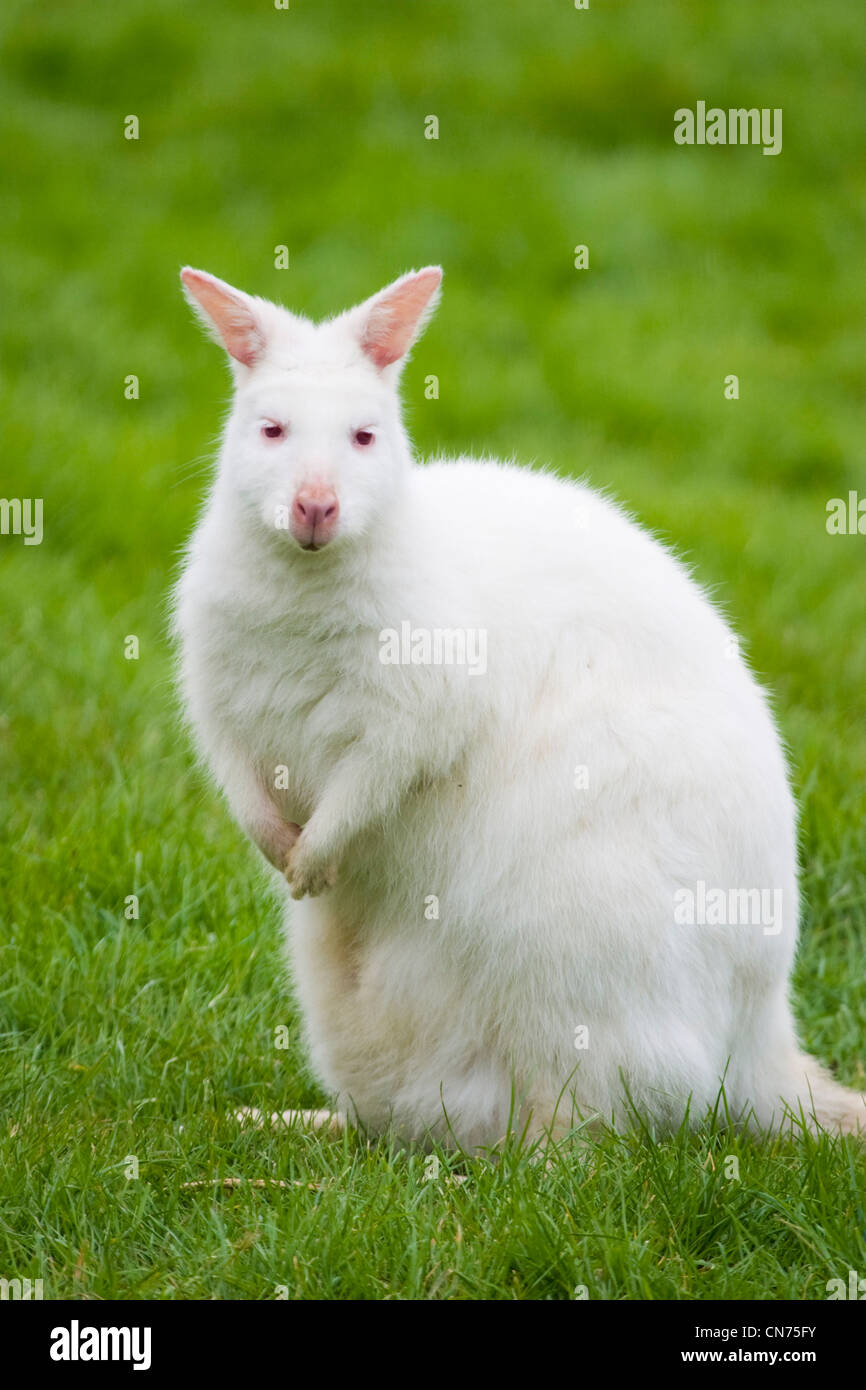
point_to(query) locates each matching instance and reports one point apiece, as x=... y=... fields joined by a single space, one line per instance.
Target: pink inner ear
x=229 y=313
x=395 y=315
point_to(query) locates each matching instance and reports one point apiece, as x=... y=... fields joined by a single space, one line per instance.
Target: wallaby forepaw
x=306 y=874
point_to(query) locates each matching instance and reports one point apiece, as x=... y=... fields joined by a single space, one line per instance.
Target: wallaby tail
x=834 y=1107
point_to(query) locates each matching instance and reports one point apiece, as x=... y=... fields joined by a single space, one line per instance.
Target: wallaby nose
x=314 y=516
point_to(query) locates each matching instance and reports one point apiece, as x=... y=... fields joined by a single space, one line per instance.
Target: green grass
x=259 y=127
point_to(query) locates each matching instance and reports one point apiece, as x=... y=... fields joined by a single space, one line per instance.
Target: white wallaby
x=548 y=859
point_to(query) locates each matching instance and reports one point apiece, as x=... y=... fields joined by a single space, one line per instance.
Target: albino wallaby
x=548 y=855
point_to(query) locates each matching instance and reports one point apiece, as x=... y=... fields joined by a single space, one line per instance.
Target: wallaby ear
x=391 y=320
x=228 y=314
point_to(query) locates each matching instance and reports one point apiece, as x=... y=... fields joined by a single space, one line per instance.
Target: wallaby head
x=315 y=448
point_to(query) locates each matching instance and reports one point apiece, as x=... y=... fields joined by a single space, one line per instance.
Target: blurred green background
x=259 y=128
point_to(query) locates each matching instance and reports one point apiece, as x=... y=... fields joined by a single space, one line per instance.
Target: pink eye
x=363 y=438
x=273 y=431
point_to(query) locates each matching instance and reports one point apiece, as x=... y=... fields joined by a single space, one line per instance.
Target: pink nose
x=314 y=516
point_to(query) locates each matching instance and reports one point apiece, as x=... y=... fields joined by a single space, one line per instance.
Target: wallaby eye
x=271 y=430
x=363 y=438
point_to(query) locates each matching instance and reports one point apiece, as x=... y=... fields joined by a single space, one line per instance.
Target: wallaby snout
x=314 y=517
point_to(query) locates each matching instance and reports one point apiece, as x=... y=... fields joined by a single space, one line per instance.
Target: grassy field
x=126 y=1042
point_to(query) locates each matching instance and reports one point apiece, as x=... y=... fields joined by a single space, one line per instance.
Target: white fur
x=556 y=901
